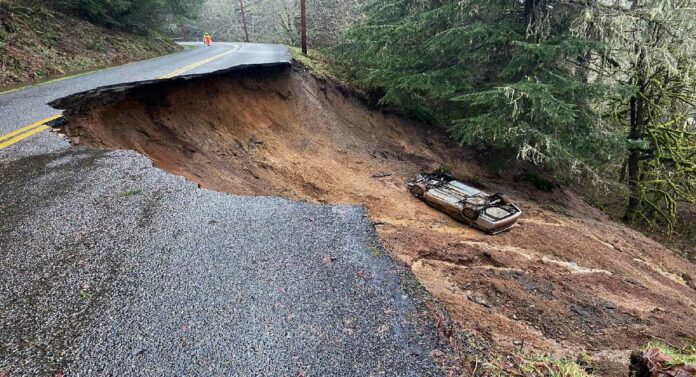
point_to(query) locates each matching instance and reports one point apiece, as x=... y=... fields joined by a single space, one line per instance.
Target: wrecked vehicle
x=491 y=213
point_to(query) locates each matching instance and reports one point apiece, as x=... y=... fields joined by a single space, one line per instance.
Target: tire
x=470 y=213
x=504 y=200
x=418 y=190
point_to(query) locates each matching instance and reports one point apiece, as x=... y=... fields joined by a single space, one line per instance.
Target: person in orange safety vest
x=208 y=39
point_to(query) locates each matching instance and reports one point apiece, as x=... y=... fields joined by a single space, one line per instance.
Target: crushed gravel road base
x=109 y=266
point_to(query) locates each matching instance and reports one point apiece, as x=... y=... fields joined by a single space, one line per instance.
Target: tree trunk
x=303 y=25
x=531 y=9
x=244 y=22
x=632 y=164
x=636 y=124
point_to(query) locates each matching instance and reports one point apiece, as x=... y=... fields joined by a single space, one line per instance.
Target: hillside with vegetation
x=42 y=39
x=597 y=95
x=565 y=283
x=600 y=95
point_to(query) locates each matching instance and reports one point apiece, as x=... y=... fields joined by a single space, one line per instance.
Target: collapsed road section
x=565 y=280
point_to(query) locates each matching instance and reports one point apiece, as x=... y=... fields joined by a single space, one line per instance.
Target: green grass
x=538 y=366
x=315 y=62
x=682 y=356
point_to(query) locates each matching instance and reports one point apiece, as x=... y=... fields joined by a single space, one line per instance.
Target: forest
x=599 y=93
x=141 y=16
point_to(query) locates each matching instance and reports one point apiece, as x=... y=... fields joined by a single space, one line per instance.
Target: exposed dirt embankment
x=566 y=280
x=37 y=42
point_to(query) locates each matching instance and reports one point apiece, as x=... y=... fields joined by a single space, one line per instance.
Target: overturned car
x=491 y=213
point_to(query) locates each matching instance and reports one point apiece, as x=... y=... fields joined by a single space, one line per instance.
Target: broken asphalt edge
x=112 y=93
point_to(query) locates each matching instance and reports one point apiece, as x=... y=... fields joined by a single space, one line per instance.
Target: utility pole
x=246 y=31
x=303 y=25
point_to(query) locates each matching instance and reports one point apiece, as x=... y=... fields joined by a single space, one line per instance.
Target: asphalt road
x=109 y=266
x=28 y=105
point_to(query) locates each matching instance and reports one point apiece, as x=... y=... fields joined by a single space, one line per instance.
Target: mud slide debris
x=565 y=280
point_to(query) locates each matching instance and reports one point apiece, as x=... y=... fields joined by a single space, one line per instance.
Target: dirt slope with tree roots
x=565 y=281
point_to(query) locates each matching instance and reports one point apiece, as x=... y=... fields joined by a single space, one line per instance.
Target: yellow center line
x=27 y=128
x=23 y=136
x=198 y=64
x=40 y=126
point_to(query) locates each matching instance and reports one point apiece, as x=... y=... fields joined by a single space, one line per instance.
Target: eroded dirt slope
x=565 y=280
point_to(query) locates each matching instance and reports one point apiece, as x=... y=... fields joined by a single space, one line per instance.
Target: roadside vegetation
x=142 y=16
x=602 y=95
x=536 y=367
x=659 y=359
x=40 y=39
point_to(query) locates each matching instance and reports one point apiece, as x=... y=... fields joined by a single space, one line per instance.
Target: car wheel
x=504 y=200
x=418 y=190
x=470 y=213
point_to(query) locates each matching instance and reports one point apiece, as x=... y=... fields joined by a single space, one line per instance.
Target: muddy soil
x=565 y=281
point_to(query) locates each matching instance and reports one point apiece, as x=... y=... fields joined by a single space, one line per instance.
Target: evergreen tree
x=564 y=83
x=650 y=51
x=500 y=73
